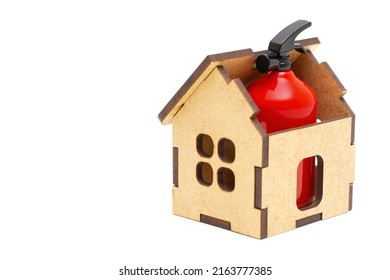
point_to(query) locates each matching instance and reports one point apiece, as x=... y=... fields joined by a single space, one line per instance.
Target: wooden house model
x=229 y=173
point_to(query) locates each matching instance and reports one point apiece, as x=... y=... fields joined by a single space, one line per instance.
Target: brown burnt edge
x=350 y=197
x=175 y=161
x=215 y=222
x=308 y=220
x=258 y=194
x=258 y=186
x=264 y=223
x=203 y=66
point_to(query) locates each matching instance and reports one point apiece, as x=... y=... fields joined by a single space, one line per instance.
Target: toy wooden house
x=228 y=172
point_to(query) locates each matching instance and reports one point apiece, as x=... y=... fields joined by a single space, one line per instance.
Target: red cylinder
x=287 y=102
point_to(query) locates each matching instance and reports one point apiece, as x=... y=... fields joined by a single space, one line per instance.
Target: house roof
x=232 y=62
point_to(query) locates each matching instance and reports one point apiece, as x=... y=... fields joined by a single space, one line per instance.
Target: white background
x=85 y=165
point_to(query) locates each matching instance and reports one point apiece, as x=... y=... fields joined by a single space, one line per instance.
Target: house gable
x=221 y=109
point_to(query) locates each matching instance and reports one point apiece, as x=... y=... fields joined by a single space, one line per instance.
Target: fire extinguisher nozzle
x=280 y=46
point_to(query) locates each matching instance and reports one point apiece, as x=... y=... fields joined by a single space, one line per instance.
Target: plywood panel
x=220 y=110
x=331 y=141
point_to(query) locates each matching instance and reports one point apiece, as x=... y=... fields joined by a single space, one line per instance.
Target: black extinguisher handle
x=279 y=47
x=284 y=41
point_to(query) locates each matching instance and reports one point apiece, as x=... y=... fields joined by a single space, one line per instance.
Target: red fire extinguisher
x=286 y=101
